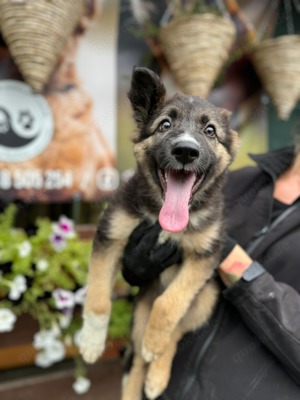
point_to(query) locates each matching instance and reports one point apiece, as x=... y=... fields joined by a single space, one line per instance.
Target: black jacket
x=250 y=350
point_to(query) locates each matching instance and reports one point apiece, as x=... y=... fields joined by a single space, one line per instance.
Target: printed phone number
x=52 y=179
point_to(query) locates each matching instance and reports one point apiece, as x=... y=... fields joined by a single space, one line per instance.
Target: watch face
x=26 y=122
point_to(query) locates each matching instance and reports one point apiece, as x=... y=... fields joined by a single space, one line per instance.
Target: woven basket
x=36 y=33
x=196 y=47
x=277 y=62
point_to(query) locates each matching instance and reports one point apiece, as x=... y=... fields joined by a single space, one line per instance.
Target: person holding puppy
x=250 y=349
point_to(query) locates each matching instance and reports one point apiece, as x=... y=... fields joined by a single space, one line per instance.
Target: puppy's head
x=183 y=144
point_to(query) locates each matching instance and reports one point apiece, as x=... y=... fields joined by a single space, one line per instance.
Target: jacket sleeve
x=272 y=311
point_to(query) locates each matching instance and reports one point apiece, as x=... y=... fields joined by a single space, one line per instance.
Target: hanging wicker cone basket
x=36 y=33
x=196 y=47
x=277 y=62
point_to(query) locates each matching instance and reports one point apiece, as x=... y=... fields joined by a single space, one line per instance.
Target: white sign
x=26 y=122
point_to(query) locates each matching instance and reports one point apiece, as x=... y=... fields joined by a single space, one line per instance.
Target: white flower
x=42 y=265
x=63 y=299
x=24 y=249
x=44 y=339
x=7 y=320
x=53 y=351
x=80 y=295
x=56 y=351
x=18 y=286
x=81 y=385
x=43 y=360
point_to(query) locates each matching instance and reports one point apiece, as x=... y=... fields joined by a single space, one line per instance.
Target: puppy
x=183 y=147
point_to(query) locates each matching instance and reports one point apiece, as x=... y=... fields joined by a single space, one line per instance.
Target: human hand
x=143 y=259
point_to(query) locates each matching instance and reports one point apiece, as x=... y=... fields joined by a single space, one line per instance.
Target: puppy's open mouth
x=178 y=187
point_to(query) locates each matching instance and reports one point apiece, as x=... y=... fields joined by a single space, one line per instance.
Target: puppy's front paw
x=155 y=385
x=93 y=336
x=158 y=375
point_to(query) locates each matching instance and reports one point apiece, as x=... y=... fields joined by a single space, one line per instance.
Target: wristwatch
x=253 y=272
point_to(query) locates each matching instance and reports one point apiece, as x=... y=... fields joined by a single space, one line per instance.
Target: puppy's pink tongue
x=174 y=214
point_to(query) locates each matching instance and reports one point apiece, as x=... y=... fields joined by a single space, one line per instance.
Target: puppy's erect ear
x=147 y=92
x=233 y=140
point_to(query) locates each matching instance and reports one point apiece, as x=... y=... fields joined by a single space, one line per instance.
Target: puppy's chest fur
x=198 y=240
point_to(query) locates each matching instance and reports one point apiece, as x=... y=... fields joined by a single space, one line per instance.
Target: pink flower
x=66 y=227
x=57 y=241
x=63 y=299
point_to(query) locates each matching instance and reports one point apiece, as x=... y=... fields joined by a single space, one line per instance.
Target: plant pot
x=277 y=62
x=196 y=47
x=36 y=33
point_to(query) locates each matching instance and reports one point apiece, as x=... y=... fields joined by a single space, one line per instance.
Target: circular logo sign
x=26 y=122
x=107 y=179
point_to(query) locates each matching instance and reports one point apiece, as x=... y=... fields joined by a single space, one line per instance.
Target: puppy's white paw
x=93 y=336
x=152 y=392
x=157 y=379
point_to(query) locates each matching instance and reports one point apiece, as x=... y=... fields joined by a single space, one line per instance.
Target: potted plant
x=42 y=275
x=196 y=42
x=277 y=62
x=193 y=38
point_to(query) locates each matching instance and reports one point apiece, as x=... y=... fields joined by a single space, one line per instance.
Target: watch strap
x=253 y=271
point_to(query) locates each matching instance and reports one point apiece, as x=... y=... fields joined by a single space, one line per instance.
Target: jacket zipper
x=259 y=237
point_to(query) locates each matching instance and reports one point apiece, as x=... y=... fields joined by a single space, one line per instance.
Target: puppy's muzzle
x=185 y=152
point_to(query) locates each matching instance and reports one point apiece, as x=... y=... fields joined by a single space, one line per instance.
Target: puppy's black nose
x=185 y=152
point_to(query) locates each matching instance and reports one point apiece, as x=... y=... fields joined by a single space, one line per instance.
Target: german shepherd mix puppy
x=183 y=147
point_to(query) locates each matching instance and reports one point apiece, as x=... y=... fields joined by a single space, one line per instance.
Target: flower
x=7 y=320
x=56 y=351
x=80 y=295
x=63 y=299
x=43 y=360
x=45 y=338
x=24 y=249
x=81 y=385
x=57 y=241
x=42 y=265
x=66 y=227
x=18 y=287
x=53 y=352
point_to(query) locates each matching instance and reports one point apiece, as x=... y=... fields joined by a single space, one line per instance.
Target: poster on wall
x=61 y=143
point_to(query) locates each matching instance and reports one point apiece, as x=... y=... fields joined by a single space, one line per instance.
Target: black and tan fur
x=183 y=297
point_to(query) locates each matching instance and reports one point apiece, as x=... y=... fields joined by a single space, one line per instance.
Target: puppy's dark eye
x=164 y=125
x=210 y=131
